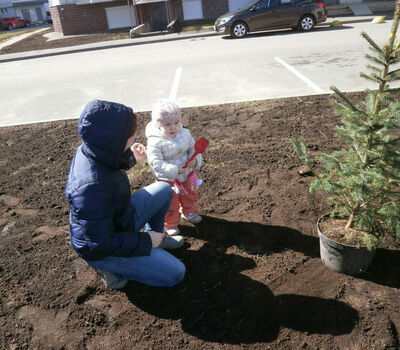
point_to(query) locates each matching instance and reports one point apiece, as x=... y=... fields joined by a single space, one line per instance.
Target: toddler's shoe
x=110 y=280
x=194 y=218
x=172 y=231
x=172 y=242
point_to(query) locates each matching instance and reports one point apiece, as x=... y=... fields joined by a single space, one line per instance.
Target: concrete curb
x=97 y=46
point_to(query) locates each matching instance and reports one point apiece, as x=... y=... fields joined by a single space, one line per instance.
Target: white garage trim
x=192 y=9
x=118 y=17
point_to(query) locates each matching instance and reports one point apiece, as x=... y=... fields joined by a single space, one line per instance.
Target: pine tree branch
x=388 y=48
x=392 y=89
x=373 y=77
x=371 y=42
x=393 y=72
x=347 y=101
x=392 y=78
x=374 y=59
x=379 y=79
x=373 y=68
x=358 y=152
x=394 y=60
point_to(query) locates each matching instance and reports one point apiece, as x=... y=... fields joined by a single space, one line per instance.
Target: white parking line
x=175 y=85
x=299 y=75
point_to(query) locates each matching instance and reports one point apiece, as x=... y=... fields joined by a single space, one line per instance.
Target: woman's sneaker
x=194 y=218
x=172 y=231
x=172 y=242
x=110 y=280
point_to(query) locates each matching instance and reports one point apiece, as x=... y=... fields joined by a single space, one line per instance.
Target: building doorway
x=159 y=16
x=39 y=14
x=26 y=14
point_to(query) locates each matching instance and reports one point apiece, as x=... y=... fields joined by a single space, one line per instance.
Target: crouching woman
x=105 y=218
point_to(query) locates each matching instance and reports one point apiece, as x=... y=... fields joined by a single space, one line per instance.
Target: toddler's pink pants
x=181 y=204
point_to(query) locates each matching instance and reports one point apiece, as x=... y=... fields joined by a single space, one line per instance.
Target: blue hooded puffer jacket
x=101 y=214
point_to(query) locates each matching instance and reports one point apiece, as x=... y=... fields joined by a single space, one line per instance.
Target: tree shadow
x=384 y=269
x=218 y=303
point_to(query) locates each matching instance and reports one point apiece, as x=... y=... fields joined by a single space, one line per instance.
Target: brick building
x=88 y=16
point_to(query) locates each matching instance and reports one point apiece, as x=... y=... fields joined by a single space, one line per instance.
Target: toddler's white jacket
x=166 y=155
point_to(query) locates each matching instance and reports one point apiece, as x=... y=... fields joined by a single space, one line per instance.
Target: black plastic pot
x=343 y=258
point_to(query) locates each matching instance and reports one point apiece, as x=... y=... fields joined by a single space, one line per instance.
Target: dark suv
x=272 y=14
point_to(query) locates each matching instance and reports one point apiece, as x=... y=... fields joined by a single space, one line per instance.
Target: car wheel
x=27 y=24
x=10 y=26
x=239 y=30
x=306 y=23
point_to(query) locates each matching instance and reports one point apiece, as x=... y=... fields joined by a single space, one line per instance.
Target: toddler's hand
x=192 y=164
x=139 y=151
x=182 y=171
x=189 y=168
x=156 y=238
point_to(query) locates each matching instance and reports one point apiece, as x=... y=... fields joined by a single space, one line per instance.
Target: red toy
x=199 y=147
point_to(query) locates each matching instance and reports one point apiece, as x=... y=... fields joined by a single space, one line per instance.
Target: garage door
x=236 y=4
x=192 y=9
x=118 y=17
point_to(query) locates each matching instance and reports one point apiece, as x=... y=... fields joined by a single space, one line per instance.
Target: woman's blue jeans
x=160 y=268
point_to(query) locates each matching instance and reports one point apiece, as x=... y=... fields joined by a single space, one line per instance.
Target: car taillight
x=320 y=4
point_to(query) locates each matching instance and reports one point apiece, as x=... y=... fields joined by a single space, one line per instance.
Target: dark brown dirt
x=254 y=277
x=39 y=42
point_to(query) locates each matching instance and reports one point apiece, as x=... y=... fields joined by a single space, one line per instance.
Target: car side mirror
x=253 y=8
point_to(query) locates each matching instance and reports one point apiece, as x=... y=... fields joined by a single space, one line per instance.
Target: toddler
x=169 y=146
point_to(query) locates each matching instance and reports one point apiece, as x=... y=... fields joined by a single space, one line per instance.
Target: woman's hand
x=139 y=151
x=156 y=238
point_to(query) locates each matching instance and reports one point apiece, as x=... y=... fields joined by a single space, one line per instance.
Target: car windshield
x=248 y=5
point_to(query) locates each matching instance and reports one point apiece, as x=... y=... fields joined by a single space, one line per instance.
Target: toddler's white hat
x=165 y=110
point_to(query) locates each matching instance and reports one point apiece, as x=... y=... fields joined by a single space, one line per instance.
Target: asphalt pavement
x=151 y=38
x=204 y=71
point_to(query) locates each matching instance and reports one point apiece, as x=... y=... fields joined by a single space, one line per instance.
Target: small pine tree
x=363 y=180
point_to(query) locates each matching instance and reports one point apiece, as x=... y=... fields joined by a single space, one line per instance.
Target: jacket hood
x=152 y=130
x=104 y=128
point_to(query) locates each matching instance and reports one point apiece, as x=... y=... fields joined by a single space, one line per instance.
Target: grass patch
x=207 y=25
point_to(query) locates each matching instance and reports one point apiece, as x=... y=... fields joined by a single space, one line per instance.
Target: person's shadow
x=217 y=302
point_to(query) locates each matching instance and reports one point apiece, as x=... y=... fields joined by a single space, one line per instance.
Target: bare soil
x=334 y=229
x=254 y=276
x=40 y=42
